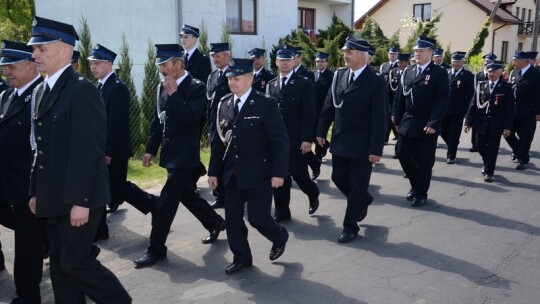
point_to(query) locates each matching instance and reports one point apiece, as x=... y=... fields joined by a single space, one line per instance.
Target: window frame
x=423 y=12
x=240 y=18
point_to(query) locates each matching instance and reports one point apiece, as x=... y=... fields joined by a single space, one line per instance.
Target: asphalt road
x=473 y=242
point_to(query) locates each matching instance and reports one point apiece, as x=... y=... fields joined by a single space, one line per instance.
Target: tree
x=226 y=36
x=331 y=39
x=85 y=46
x=149 y=91
x=203 y=39
x=124 y=73
x=479 y=39
x=427 y=28
x=447 y=54
x=373 y=34
x=16 y=19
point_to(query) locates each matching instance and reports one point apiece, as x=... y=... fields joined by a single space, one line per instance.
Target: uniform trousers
x=74 y=272
x=488 y=147
x=299 y=172
x=28 y=263
x=451 y=132
x=521 y=137
x=179 y=188
x=417 y=157
x=351 y=177
x=123 y=190
x=259 y=203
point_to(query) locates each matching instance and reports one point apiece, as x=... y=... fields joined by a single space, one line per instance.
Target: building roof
x=502 y=14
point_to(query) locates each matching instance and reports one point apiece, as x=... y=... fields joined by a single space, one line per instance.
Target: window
x=504 y=51
x=529 y=18
x=517 y=11
x=520 y=46
x=523 y=10
x=422 y=11
x=242 y=17
x=306 y=20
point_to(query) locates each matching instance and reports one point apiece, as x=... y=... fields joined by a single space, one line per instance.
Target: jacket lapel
x=49 y=101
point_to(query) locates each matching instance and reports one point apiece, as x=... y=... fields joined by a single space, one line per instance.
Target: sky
x=362 y=6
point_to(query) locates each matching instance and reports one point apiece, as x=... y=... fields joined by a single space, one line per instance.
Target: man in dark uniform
x=323 y=81
x=526 y=87
x=5 y=208
x=176 y=129
x=69 y=183
x=480 y=76
x=250 y=155
x=261 y=76
x=217 y=87
x=394 y=77
x=354 y=105
x=418 y=111
x=461 y=93
x=386 y=67
x=75 y=60
x=116 y=96
x=197 y=63
x=295 y=95
x=492 y=114
x=438 y=59
x=299 y=68
x=15 y=163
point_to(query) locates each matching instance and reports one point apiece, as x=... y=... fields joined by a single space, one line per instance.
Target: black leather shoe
x=514 y=157
x=279 y=218
x=146 y=260
x=313 y=205
x=521 y=166
x=112 y=208
x=473 y=149
x=213 y=234
x=346 y=237
x=217 y=204
x=234 y=268
x=316 y=173
x=417 y=202
x=276 y=251
x=94 y=251
x=410 y=195
x=451 y=161
x=489 y=179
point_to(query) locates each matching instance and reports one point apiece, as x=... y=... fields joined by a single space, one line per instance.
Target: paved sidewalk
x=473 y=242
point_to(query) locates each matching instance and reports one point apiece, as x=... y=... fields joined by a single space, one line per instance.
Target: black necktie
x=491 y=86
x=351 y=80
x=283 y=79
x=44 y=96
x=220 y=73
x=100 y=85
x=187 y=58
x=419 y=71
x=455 y=73
x=318 y=75
x=519 y=73
x=236 y=108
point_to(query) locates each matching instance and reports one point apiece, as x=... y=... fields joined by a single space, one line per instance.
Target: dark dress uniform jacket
x=262 y=79
x=302 y=71
x=386 y=68
x=259 y=147
x=198 y=65
x=527 y=93
x=322 y=86
x=15 y=150
x=496 y=117
x=461 y=92
x=297 y=108
x=426 y=104
x=70 y=131
x=116 y=97
x=179 y=135
x=216 y=88
x=360 y=124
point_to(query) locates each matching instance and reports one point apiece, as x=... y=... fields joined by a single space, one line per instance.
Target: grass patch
x=154 y=176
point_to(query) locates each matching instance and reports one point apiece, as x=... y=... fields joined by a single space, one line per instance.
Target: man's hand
x=466 y=129
x=169 y=84
x=147 y=160
x=429 y=130
x=212 y=182
x=277 y=182
x=108 y=160
x=321 y=141
x=79 y=216
x=305 y=147
x=506 y=133
x=374 y=159
x=32 y=204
